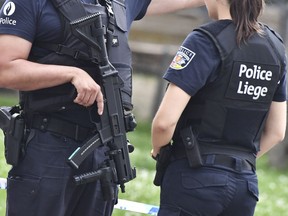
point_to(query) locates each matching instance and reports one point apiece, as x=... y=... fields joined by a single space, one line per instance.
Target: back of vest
x=232 y=110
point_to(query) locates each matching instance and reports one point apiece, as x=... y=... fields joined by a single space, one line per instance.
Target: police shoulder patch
x=182 y=58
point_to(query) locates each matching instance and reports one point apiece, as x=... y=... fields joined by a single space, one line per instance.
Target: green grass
x=5 y=100
x=273 y=184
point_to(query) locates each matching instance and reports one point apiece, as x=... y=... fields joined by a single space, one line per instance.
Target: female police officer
x=224 y=106
x=41 y=183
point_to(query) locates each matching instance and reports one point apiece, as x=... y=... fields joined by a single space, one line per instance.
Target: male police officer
x=44 y=60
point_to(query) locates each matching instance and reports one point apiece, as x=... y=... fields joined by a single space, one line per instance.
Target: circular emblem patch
x=9 y=9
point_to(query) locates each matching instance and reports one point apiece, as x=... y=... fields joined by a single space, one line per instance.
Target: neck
x=223 y=9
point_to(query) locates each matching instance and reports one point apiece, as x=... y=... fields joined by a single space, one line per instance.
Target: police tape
x=3 y=183
x=122 y=204
x=137 y=207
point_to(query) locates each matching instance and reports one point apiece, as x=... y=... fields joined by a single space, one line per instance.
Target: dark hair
x=245 y=15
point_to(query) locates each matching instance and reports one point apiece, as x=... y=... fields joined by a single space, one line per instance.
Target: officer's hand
x=88 y=91
x=154 y=154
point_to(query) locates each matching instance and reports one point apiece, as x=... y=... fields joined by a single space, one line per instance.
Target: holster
x=13 y=135
x=163 y=160
x=191 y=147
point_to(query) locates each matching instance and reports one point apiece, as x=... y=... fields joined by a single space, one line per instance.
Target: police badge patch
x=182 y=58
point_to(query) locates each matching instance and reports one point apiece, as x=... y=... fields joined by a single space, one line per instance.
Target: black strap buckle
x=59 y=49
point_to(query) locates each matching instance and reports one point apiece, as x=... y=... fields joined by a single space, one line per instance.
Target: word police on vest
x=253 y=73
x=252 y=82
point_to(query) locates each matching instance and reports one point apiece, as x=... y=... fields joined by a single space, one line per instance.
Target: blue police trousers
x=207 y=191
x=41 y=185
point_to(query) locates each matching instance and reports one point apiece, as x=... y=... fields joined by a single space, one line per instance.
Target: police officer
x=224 y=107
x=56 y=73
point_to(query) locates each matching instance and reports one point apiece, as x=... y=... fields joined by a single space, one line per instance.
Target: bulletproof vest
x=74 y=52
x=231 y=110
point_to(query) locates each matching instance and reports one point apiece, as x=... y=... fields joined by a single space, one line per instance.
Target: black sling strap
x=72 y=10
x=68 y=8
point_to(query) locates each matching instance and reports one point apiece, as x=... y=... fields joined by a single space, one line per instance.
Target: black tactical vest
x=231 y=111
x=74 y=52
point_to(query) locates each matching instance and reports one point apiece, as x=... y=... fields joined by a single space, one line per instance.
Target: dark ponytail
x=245 y=15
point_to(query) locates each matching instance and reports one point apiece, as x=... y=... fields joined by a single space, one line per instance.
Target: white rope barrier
x=122 y=204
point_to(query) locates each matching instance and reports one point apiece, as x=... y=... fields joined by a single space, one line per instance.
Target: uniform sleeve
x=281 y=91
x=136 y=9
x=18 y=17
x=195 y=64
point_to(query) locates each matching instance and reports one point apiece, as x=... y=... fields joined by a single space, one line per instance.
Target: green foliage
x=5 y=100
x=3 y=173
x=8 y=98
x=273 y=190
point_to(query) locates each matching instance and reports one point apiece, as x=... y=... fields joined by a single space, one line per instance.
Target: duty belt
x=61 y=127
x=234 y=162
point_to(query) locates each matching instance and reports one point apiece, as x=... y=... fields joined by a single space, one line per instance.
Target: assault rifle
x=113 y=125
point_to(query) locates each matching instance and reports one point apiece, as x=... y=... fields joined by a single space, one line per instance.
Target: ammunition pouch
x=13 y=125
x=191 y=147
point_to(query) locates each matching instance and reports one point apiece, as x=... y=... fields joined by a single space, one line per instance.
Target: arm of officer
x=274 y=130
x=167 y=116
x=16 y=72
x=165 y=6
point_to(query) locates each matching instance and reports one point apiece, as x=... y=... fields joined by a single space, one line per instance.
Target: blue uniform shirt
x=196 y=64
x=38 y=19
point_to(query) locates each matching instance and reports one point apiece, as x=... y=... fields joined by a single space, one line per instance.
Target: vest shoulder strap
x=68 y=8
x=219 y=31
x=277 y=44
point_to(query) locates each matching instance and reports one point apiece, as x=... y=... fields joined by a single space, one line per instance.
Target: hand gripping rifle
x=111 y=131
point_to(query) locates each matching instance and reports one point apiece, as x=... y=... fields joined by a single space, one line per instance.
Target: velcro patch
x=253 y=82
x=182 y=58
